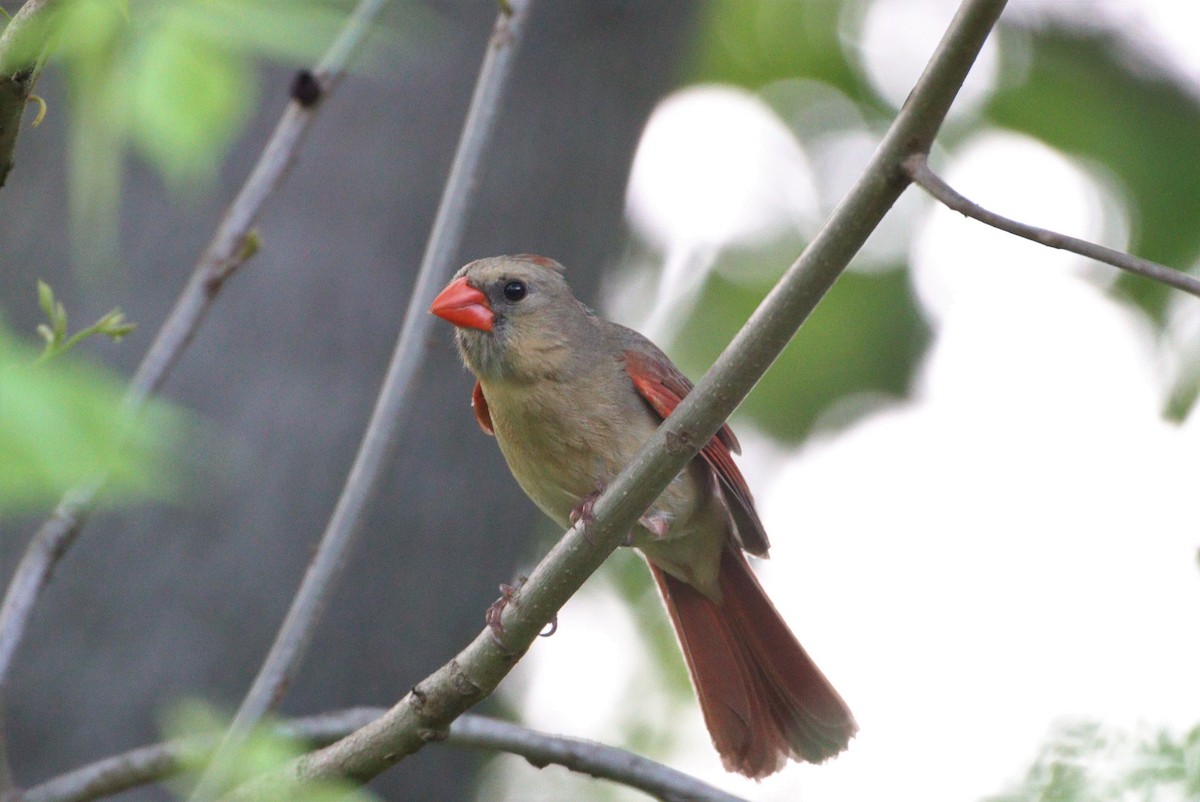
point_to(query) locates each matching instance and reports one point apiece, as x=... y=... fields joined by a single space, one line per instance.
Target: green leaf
x=63 y=423
x=189 y=69
x=264 y=751
x=89 y=30
x=174 y=80
x=46 y=298
x=1085 y=761
x=294 y=32
x=189 y=98
x=113 y=325
x=865 y=336
x=754 y=42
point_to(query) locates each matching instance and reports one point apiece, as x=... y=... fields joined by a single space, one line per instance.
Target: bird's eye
x=515 y=290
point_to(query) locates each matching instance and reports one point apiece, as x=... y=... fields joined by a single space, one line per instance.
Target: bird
x=570 y=398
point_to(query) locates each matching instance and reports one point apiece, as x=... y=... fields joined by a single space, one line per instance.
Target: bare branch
x=587 y=757
x=231 y=245
x=154 y=763
x=379 y=440
x=149 y=764
x=917 y=168
x=20 y=64
x=425 y=714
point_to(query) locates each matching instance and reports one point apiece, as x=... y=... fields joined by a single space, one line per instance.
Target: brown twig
x=586 y=757
x=157 y=762
x=917 y=168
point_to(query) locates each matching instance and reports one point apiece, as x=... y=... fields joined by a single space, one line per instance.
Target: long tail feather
x=763 y=698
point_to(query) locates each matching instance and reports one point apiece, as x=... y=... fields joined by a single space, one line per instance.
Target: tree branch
x=425 y=713
x=149 y=764
x=917 y=168
x=586 y=757
x=154 y=763
x=232 y=244
x=20 y=64
x=379 y=440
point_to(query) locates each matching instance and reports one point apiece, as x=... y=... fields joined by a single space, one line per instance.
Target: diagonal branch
x=232 y=244
x=425 y=713
x=379 y=440
x=917 y=168
x=157 y=762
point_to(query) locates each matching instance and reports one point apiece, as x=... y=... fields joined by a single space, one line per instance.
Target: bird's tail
x=763 y=698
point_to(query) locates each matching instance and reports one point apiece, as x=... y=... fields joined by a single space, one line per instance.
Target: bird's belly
x=557 y=463
x=553 y=482
x=559 y=459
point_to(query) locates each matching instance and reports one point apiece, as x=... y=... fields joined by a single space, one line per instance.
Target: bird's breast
x=559 y=453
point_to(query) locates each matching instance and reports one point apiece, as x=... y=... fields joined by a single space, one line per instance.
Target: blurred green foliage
x=173 y=80
x=752 y=43
x=864 y=337
x=264 y=751
x=1087 y=762
x=1079 y=91
x=867 y=334
x=62 y=422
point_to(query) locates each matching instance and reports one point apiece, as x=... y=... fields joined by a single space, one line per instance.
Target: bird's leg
x=657 y=523
x=584 y=510
x=492 y=616
x=583 y=514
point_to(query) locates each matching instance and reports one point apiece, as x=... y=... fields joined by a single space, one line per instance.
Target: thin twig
x=157 y=762
x=587 y=757
x=379 y=440
x=20 y=64
x=425 y=714
x=917 y=168
x=231 y=245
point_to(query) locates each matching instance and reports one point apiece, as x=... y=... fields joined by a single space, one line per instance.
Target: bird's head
x=515 y=316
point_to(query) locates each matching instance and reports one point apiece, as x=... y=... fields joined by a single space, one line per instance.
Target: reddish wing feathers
x=482 y=414
x=763 y=698
x=662 y=386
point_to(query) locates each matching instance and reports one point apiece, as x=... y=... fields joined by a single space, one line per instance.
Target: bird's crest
x=540 y=261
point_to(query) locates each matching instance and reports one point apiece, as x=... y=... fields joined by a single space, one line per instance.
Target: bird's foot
x=585 y=510
x=583 y=513
x=657 y=523
x=493 y=614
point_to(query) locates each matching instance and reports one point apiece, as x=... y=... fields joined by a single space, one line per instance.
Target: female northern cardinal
x=570 y=398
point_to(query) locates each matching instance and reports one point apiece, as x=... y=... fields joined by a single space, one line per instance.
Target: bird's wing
x=663 y=386
x=481 y=410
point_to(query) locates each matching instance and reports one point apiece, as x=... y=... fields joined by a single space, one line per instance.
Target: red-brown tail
x=763 y=698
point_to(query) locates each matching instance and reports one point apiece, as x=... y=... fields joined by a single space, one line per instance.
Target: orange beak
x=464 y=306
